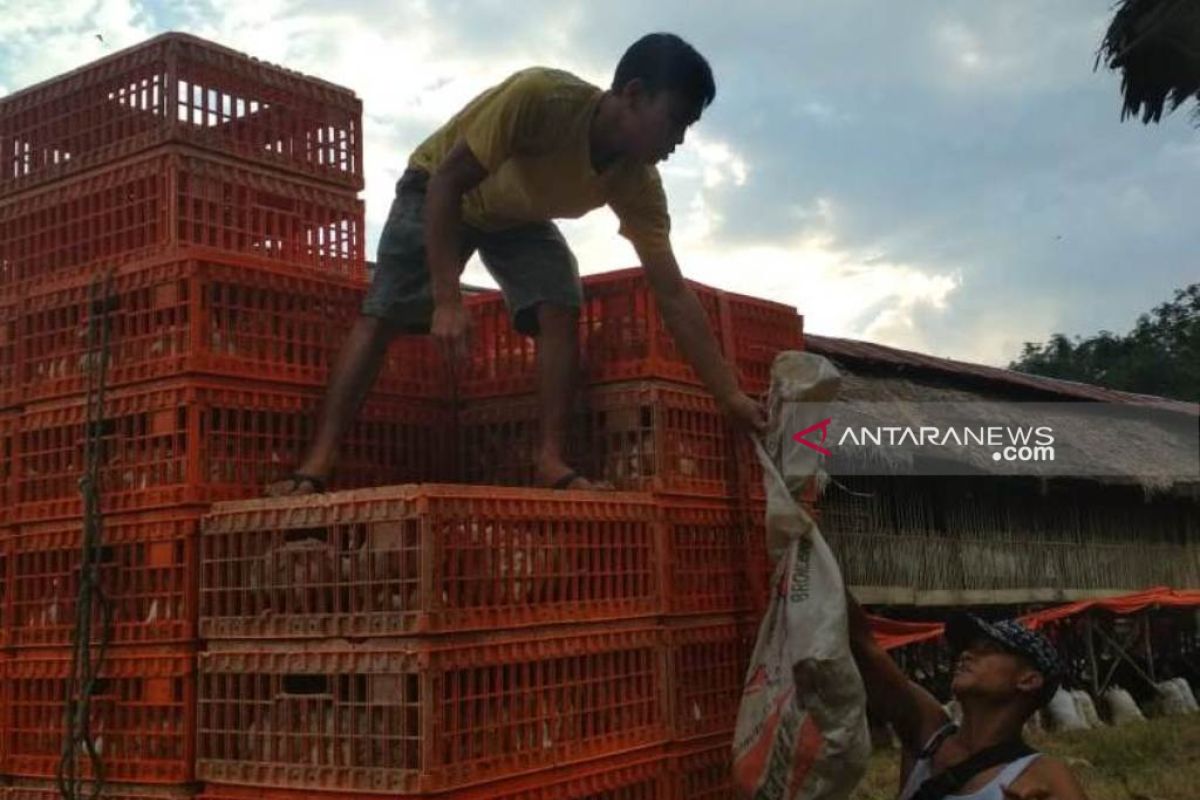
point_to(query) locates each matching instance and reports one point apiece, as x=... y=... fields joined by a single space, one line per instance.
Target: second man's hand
x=746 y=414
x=449 y=329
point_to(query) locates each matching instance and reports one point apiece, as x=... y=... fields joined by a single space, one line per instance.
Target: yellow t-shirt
x=531 y=133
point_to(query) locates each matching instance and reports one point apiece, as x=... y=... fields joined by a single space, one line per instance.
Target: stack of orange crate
x=432 y=639
x=213 y=199
x=644 y=423
x=418 y=638
x=479 y=639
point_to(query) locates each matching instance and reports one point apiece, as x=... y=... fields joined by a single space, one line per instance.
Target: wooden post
x=1089 y=639
x=1149 y=649
x=1118 y=650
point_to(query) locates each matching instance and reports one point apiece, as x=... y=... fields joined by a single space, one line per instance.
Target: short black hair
x=663 y=61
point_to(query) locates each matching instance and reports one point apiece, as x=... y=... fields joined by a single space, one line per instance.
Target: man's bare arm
x=686 y=320
x=913 y=712
x=458 y=173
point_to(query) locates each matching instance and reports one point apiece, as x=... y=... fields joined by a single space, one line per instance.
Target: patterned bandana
x=963 y=628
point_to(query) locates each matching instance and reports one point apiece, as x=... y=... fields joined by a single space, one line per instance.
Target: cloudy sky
x=944 y=176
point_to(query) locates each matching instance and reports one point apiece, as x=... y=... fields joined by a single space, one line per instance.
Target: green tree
x=1160 y=356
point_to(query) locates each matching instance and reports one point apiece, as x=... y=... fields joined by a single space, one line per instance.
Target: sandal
x=566 y=480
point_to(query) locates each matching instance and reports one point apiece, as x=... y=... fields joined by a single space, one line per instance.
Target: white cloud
x=996 y=335
x=960 y=46
x=1005 y=48
x=1174 y=153
x=720 y=162
x=700 y=178
x=824 y=113
x=36 y=16
x=819 y=212
x=840 y=292
x=43 y=38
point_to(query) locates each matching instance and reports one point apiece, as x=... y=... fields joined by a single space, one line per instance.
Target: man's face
x=655 y=124
x=986 y=669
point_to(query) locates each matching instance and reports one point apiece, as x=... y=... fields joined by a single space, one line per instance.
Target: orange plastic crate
x=5 y=716
x=406 y=559
x=32 y=789
x=638 y=775
x=199 y=441
x=645 y=436
x=175 y=197
x=178 y=88
x=500 y=361
x=9 y=353
x=148 y=575
x=750 y=478
x=703 y=769
x=6 y=537
x=427 y=715
x=755 y=332
x=707 y=659
x=707 y=557
x=207 y=315
x=749 y=472
x=625 y=335
x=759 y=569
x=10 y=425
x=142 y=714
x=658 y=437
x=622 y=337
x=497 y=439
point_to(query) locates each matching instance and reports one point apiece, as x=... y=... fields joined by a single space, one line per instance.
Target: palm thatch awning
x=1148 y=451
x=1151 y=453
x=1156 y=46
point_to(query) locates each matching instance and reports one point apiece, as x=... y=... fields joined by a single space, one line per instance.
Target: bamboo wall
x=950 y=540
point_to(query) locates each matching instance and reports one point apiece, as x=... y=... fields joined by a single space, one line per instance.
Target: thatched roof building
x=989 y=538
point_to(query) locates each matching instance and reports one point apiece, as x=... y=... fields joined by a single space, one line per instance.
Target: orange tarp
x=891 y=633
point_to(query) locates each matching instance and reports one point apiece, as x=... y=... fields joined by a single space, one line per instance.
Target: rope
x=86 y=665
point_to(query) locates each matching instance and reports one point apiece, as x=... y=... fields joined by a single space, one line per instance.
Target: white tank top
x=990 y=791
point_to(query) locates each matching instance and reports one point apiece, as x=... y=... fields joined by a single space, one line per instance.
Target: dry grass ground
x=1155 y=760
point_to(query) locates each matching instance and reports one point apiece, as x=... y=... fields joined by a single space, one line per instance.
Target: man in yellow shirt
x=543 y=144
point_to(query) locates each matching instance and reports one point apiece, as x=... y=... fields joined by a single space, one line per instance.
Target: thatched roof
x=995 y=381
x=1156 y=46
x=1147 y=449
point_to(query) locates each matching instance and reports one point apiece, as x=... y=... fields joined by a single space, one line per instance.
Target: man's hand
x=746 y=415
x=449 y=329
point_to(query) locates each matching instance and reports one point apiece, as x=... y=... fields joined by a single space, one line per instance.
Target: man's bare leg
x=351 y=378
x=558 y=374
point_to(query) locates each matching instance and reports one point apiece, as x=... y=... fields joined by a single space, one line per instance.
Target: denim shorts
x=532 y=264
